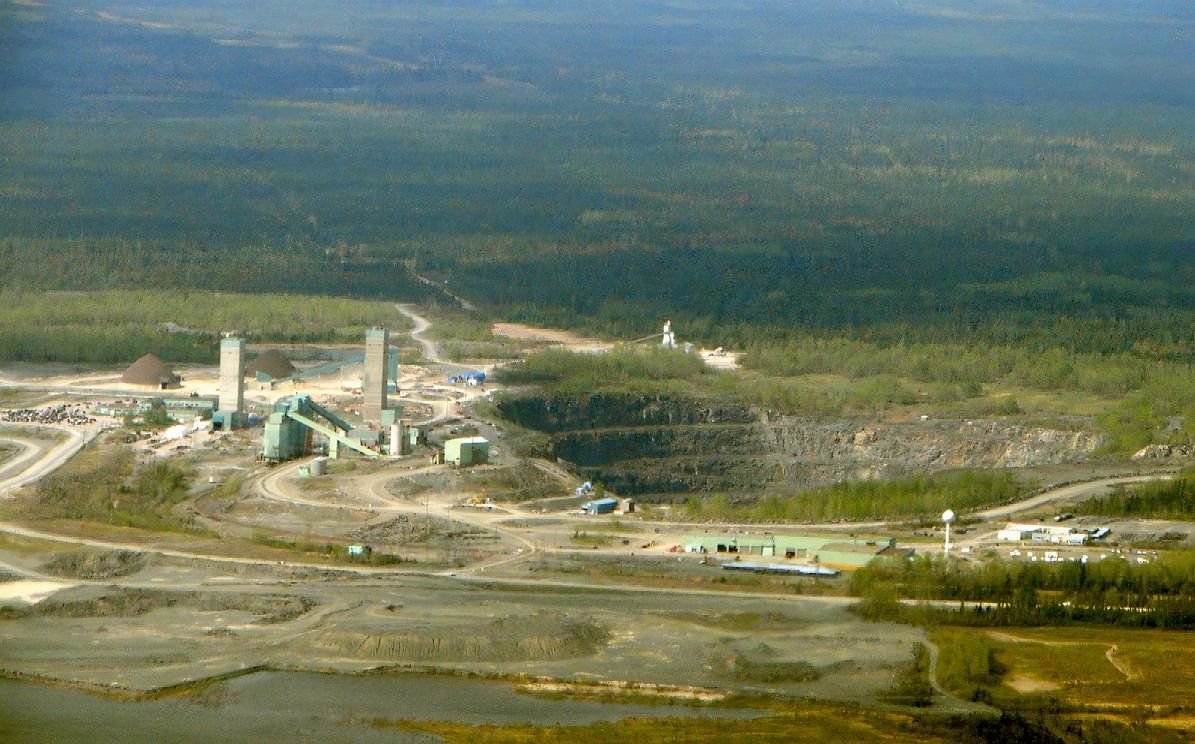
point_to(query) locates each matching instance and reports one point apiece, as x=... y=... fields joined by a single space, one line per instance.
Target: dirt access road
x=431 y=352
x=20 y=471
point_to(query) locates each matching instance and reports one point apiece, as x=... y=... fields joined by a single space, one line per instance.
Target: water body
x=298 y=707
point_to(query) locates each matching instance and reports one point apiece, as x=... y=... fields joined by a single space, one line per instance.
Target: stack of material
x=270 y=365
x=149 y=371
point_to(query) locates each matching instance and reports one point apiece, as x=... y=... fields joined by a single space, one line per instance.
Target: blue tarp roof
x=602 y=502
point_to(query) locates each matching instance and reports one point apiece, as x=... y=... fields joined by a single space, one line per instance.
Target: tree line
x=1113 y=591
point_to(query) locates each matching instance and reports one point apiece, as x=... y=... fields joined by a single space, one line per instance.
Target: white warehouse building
x=1042 y=533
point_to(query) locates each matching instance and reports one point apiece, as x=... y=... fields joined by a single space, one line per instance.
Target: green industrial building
x=291 y=427
x=821 y=549
x=178 y=409
x=466 y=451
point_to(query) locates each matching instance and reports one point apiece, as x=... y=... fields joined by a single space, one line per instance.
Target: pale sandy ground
x=567 y=339
x=582 y=344
x=30 y=592
x=203 y=381
x=1024 y=683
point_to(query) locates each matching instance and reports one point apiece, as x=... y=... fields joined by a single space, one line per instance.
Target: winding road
x=431 y=352
x=44 y=460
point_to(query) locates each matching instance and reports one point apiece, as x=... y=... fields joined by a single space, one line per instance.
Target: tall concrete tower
x=232 y=381
x=377 y=341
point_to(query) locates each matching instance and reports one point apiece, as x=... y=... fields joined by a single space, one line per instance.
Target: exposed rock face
x=638 y=444
x=933 y=445
x=600 y=410
x=1162 y=452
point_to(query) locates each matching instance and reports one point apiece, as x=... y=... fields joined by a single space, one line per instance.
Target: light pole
x=947 y=517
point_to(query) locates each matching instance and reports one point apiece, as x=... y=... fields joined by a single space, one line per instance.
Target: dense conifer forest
x=1007 y=172
x=930 y=200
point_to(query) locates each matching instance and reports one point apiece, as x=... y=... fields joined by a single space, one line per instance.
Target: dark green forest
x=113 y=326
x=1171 y=499
x=990 y=171
x=928 y=199
x=1112 y=591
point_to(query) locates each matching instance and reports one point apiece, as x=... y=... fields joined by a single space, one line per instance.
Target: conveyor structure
x=333 y=366
x=292 y=425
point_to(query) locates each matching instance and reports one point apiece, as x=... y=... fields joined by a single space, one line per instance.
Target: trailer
x=600 y=506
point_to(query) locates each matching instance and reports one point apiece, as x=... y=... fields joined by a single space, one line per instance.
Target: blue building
x=600 y=506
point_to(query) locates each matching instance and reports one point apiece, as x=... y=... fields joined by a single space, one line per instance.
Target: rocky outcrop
x=1162 y=452
x=928 y=445
x=559 y=413
x=658 y=444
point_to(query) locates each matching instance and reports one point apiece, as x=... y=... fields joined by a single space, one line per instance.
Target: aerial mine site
x=359 y=516
x=667 y=372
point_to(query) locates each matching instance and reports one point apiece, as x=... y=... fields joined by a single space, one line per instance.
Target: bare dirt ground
x=567 y=339
x=1025 y=684
x=715 y=358
x=175 y=621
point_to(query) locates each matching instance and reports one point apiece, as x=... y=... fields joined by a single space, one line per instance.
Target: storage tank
x=319 y=466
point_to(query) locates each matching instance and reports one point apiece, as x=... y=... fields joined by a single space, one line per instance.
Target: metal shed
x=465 y=451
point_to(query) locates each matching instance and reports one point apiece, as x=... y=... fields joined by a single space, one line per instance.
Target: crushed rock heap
x=273 y=364
x=150 y=371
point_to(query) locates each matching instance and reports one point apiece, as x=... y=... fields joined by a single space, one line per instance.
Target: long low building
x=823 y=550
x=1042 y=533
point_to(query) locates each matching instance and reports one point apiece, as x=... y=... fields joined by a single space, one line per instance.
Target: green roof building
x=826 y=550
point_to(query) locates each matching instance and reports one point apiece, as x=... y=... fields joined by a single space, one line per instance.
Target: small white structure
x=947 y=517
x=179 y=431
x=669 y=341
x=1017 y=532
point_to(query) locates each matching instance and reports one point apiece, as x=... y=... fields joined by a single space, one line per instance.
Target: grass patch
x=327 y=551
x=522 y=482
x=589 y=540
x=912 y=685
x=1101 y=666
x=967 y=663
x=868 y=499
x=807 y=721
x=105 y=485
x=33 y=432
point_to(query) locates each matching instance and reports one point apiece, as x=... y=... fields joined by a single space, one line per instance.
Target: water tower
x=947 y=517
